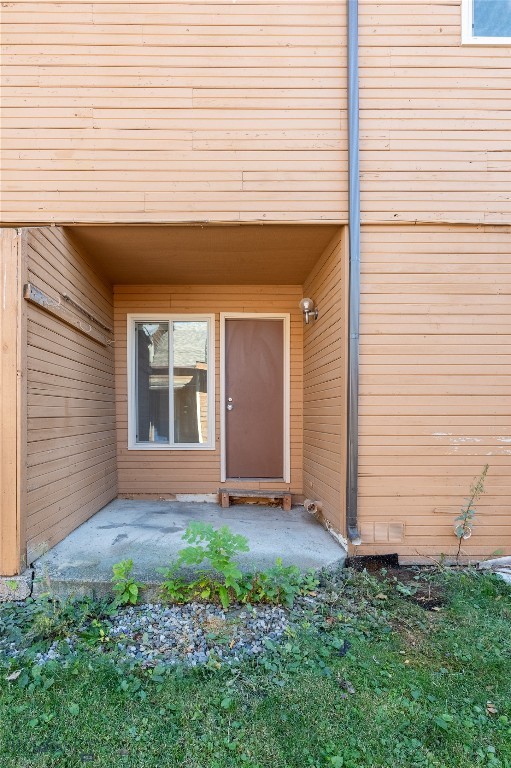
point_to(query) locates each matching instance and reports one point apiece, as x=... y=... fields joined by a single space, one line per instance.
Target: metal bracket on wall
x=87 y=314
x=54 y=307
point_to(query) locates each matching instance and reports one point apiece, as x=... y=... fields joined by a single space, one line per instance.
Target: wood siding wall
x=166 y=473
x=12 y=402
x=435 y=117
x=435 y=388
x=179 y=111
x=324 y=401
x=174 y=111
x=71 y=463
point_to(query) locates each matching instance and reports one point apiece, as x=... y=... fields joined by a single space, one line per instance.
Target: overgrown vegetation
x=366 y=677
x=224 y=581
x=34 y=627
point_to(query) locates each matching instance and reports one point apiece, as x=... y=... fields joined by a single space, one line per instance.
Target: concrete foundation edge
x=14 y=588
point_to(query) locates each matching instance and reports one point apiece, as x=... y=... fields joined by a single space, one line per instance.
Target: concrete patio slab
x=150 y=533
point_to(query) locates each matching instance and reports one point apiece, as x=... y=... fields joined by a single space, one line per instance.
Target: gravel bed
x=191 y=634
x=195 y=633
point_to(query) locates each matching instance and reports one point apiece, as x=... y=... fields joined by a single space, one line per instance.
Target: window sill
x=141 y=447
x=489 y=42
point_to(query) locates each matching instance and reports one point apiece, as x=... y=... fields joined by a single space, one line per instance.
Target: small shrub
x=465 y=519
x=127 y=590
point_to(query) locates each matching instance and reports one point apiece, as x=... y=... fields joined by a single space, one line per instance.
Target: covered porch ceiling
x=257 y=254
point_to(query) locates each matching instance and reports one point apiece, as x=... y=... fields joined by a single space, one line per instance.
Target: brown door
x=254 y=398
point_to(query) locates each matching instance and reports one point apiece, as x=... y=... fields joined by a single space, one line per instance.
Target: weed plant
x=465 y=520
x=126 y=588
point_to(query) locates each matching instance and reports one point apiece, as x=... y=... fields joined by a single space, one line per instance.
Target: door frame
x=285 y=317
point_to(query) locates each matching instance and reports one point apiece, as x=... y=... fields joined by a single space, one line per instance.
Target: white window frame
x=467 y=33
x=149 y=317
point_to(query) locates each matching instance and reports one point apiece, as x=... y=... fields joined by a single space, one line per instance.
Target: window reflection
x=190 y=379
x=152 y=382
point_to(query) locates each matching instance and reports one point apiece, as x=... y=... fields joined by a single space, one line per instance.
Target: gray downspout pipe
x=354 y=275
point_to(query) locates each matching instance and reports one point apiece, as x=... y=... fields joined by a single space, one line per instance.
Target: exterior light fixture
x=308 y=309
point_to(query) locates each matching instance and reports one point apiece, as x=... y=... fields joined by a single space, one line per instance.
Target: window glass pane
x=492 y=18
x=190 y=381
x=152 y=382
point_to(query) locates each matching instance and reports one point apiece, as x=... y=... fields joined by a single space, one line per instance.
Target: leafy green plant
x=465 y=519
x=406 y=589
x=96 y=634
x=37 y=677
x=174 y=588
x=217 y=546
x=127 y=590
x=280 y=584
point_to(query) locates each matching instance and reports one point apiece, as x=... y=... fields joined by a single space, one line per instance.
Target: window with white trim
x=487 y=22
x=170 y=382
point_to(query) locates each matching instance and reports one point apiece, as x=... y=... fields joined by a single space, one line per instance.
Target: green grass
x=411 y=692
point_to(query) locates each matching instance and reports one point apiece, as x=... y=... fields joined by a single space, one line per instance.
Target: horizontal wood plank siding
x=166 y=473
x=435 y=387
x=435 y=117
x=12 y=402
x=174 y=111
x=185 y=111
x=71 y=447
x=323 y=395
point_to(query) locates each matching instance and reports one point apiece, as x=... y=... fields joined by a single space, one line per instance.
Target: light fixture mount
x=309 y=309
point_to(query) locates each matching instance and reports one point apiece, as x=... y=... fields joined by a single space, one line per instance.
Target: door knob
x=229 y=403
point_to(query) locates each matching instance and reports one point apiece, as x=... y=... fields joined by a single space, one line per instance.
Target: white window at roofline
x=486 y=22
x=171 y=399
